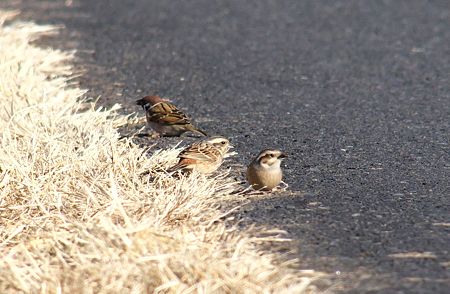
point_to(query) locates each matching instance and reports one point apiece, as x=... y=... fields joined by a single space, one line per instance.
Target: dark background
x=356 y=92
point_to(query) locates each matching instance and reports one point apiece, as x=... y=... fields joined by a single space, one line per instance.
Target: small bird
x=264 y=172
x=165 y=118
x=204 y=156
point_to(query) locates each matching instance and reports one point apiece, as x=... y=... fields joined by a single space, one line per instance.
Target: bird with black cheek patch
x=165 y=118
x=264 y=172
x=204 y=156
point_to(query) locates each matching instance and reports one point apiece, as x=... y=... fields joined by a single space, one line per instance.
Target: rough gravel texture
x=356 y=92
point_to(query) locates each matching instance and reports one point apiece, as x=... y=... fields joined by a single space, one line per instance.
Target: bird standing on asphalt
x=264 y=172
x=165 y=118
x=204 y=156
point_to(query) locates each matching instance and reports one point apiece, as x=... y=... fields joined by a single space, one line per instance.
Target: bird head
x=148 y=101
x=221 y=143
x=270 y=157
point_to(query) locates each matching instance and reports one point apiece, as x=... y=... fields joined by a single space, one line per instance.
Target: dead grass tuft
x=76 y=213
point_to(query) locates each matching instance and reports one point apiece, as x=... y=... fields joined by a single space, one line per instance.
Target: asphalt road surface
x=356 y=92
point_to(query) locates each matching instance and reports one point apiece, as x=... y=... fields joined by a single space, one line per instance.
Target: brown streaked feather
x=182 y=164
x=198 y=155
x=196 y=130
x=167 y=113
x=200 y=151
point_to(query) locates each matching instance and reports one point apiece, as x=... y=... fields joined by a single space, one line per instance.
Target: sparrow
x=264 y=172
x=165 y=118
x=204 y=156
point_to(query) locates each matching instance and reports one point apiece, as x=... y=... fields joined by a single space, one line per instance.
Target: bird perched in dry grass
x=204 y=156
x=165 y=118
x=264 y=172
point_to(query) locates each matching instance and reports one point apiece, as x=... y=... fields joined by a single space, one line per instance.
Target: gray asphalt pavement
x=356 y=92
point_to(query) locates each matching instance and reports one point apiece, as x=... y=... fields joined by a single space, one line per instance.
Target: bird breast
x=260 y=177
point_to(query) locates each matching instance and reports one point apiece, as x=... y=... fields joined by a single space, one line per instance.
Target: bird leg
x=284 y=187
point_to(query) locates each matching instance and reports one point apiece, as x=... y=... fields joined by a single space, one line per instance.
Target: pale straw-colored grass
x=79 y=214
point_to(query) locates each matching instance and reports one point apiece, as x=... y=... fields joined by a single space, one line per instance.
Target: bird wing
x=197 y=153
x=167 y=113
x=200 y=151
x=182 y=164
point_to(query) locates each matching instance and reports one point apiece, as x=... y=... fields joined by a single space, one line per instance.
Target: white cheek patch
x=275 y=164
x=264 y=164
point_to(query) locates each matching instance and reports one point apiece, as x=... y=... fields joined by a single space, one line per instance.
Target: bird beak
x=282 y=155
x=230 y=146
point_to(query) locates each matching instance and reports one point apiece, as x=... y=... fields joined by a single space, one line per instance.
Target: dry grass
x=75 y=214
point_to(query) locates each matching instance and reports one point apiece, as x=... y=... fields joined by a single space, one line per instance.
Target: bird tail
x=177 y=167
x=173 y=168
x=197 y=130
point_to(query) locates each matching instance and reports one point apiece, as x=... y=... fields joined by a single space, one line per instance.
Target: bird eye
x=223 y=142
x=271 y=155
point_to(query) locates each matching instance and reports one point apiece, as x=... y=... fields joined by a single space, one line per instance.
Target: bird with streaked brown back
x=204 y=156
x=165 y=118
